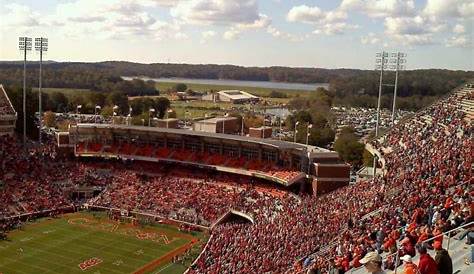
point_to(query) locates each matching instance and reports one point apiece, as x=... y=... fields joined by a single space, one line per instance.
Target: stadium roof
x=237 y=94
x=267 y=142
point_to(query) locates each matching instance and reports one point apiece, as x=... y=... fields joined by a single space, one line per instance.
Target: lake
x=237 y=83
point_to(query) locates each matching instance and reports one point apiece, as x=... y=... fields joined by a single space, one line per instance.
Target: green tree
x=349 y=147
x=368 y=158
x=119 y=99
x=161 y=104
x=106 y=111
x=59 y=102
x=96 y=98
x=180 y=87
x=49 y=119
x=277 y=94
x=15 y=94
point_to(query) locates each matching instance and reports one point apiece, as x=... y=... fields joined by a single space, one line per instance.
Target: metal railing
x=397 y=253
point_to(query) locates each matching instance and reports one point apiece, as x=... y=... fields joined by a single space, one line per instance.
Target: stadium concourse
x=426 y=189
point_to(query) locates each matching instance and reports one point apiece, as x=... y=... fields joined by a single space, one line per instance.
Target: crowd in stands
x=425 y=190
x=182 y=196
x=131 y=149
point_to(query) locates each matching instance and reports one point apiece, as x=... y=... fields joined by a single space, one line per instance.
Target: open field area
x=92 y=243
x=258 y=91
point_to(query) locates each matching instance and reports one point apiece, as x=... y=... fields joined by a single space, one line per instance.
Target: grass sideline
x=64 y=244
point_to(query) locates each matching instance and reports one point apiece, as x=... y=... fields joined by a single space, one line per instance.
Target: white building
x=232 y=96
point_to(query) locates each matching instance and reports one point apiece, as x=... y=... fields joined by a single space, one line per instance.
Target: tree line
x=77 y=77
x=59 y=102
x=415 y=89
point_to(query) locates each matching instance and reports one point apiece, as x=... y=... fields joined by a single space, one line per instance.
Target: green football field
x=91 y=243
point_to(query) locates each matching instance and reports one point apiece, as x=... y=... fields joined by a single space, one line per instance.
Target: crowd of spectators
x=183 y=155
x=426 y=189
x=183 y=197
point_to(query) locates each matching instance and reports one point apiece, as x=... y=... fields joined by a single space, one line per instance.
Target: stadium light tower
x=41 y=45
x=114 y=113
x=398 y=59
x=96 y=109
x=310 y=126
x=152 y=110
x=24 y=44
x=223 y=122
x=381 y=63
x=296 y=131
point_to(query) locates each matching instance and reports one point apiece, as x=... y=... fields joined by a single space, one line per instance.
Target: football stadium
x=237 y=137
x=109 y=198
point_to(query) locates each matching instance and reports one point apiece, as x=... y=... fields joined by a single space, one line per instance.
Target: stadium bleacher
x=426 y=190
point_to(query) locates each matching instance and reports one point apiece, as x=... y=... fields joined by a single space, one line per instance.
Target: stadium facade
x=8 y=115
x=285 y=163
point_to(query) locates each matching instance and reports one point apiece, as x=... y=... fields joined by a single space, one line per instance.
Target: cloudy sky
x=302 y=33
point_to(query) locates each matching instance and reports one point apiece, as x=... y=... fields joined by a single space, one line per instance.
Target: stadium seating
x=426 y=189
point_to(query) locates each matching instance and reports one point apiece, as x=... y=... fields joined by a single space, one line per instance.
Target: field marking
x=87 y=246
x=28 y=265
x=168 y=256
x=165 y=267
x=63 y=228
x=92 y=245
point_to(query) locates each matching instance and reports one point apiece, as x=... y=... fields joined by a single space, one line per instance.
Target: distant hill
x=204 y=71
x=357 y=86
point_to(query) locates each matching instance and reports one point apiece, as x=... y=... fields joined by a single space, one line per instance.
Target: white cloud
x=462 y=41
x=207 y=35
x=326 y=22
x=370 y=39
x=458 y=28
x=114 y=19
x=217 y=12
x=449 y=8
x=412 y=31
x=181 y=36
x=19 y=16
x=285 y=35
x=231 y=34
x=311 y=15
x=334 y=28
x=380 y=8
x=262 y=22
x=305 y=14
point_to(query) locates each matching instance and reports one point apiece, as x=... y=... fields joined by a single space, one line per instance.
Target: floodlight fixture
x=41 y=45
x=24 y=44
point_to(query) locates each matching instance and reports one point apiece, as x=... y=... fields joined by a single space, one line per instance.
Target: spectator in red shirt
x=427 y=264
